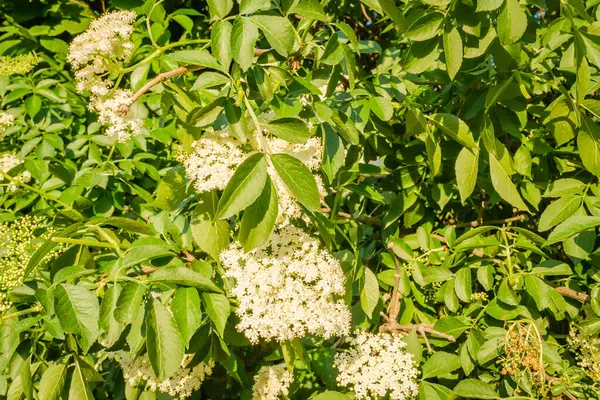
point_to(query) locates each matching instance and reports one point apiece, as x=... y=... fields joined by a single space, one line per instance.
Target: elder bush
x=299 y=199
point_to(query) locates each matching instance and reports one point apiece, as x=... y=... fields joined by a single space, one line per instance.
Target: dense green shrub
x=299 y=199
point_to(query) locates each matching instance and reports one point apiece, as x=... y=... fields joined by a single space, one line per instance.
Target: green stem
x=161 y=50
x=509 y=264
x=19 y=313
x=83 y=242
x=42 y=194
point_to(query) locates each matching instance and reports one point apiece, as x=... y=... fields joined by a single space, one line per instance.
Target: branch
x=423 y=329
x=474 y=224
x=395 y=301
x=361 y=218
x=161 y=78
x=562 y=290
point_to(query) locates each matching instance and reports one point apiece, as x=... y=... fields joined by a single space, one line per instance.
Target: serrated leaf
x=164 y=342
x=558 y=211
x=52 y=382
x=186 y=310
x=278 y=31
x=129 y=302
x=244 y=187
x=571 y=227
x=220 y=38
x=298 y=178
x=218 y=309
x=462 y=284
x=466 y=167
x=512 y=22
x=78 y=311
x=293 y=130
x=425 y=27
x=455 y=128
x=211 y=236
x=259 y=218
x=244 y=35
x=184 y=277
x=440 y=364
x=504 y=186
x=474 y=389
x=369 y=296
x=588 y=144
x=220 y=8
x=453 y=50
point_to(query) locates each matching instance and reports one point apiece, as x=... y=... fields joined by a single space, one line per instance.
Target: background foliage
x=462 y=156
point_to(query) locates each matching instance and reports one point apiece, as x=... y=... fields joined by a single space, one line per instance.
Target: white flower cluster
x=101 y=49
x=7 y=162
x=587 y=352
x=287 y=289
x=6 y=121
x=180 y=385
x=377 y=366
x=214 y=161
x=271 y=383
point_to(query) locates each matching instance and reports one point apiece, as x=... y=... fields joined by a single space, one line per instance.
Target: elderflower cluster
x=271 y=383
x=288 y=288
x=377 y=366
x=17 y=65
x=18 y=241
x=6 y=121
x=103 y=47
x=181 y=385
x=213 y=162
x=587 y=352
x=7 y=162
x=106 y=43
x=113 y=112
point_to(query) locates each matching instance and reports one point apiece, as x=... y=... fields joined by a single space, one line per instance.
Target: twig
x=161 y=78
x=395 y=301
x=392 y=326
x=365 y=13
x=19 y=313
x=361 y=218
x=479 y=222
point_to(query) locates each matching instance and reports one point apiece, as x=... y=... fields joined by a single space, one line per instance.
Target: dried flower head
x=587 y=352
x=287 y=289
x=271 y=383
x=377 y=366
x=214 y=161
x=17 y=65
x=523 y=353
x=181 y=385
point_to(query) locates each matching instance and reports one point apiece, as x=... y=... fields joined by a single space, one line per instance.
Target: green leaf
x=453 y=50
x=164 y=342
x=218 y=309
x=571 y=227
x=250 y=6
x=311 y=9
x=401 y=249
x=220 y=38
x=79 y=389
x=331 y=395
x=455 y=128
x=184 y=277
x=220 y=8
x=110 y=326
x=238 y=123
x=186 y=310
x=425 y=27
x=475 y=389
x=512 y=22
x=349 y=32
x=298 y=178
x=565 y=187
x=462 y=284
x=381 y=107
x=488 y=5
x=244 y=187
x=278 y=31
x=211 y=236
x=293 y=130
x=259 y=218
x=588 y=144
x=369 y=296
x=195 y=57
x=334 y=153
x=244 y=35
x=78 y=311
x=391 y=10
x=144 y=250
x=26 y=380
x=558 y=211
x=129 y=302
x=440 y=364
x=52 y=382
x=466 y=172
x=538 y=290
x=504 y=186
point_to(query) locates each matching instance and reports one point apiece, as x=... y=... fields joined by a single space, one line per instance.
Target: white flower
x=214 y=161
x=310 y=153
x=113 y=111
x=6 y=121
x=271 y=383
x=377 y=366
x=105 y=44
x=288 y=288
x=180 y=385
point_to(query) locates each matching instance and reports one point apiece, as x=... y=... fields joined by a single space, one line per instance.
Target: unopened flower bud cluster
x=17 y=65
x=272 y=383
x=376 y=366
x=100 y=50
x=288 y=289
x=181 y=385
x=587 y=352
x=18 y=241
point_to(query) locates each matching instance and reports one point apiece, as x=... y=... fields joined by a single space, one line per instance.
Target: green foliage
x=458 y=187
